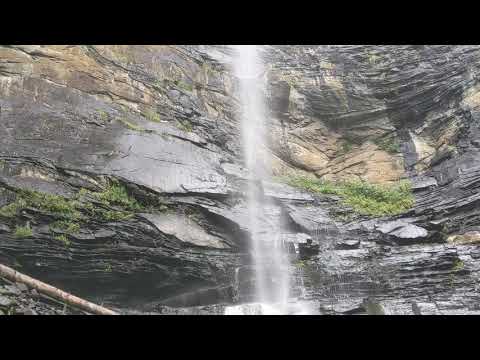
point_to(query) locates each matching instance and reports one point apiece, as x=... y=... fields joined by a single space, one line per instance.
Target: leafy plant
x=23 y=231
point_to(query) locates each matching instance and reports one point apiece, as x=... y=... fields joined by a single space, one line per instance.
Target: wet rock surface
x=161 y=121
x=17 y=299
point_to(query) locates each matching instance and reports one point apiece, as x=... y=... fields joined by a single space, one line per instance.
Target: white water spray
x=271 y=261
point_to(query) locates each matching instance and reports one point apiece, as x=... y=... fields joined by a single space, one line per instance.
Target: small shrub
x=23 y=232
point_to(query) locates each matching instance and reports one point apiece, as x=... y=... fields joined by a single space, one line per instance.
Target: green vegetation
x=362 y=197
x=23 y=232
x=114 y=203
x=65 y=226
x=183 y=85
x=152 y=116
x=112 y=215
x=108 y=268
x=46 y=202
x=116 y=194
x=346 y=147
x=300 y=264
x=62 y=238
x=58 y=205
x=185 y=126
x=388 y=144
x=458 y=265
x=103 y=115
x=130 y=125
x=12 y=209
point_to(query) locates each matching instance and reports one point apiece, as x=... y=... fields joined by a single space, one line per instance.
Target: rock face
x=160 y=121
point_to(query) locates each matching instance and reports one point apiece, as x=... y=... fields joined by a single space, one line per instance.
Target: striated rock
x=467 y=238
x=185 y=230
x=423 y=183
x=409 y=231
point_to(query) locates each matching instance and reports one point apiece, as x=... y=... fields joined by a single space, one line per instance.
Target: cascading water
x=270 y=259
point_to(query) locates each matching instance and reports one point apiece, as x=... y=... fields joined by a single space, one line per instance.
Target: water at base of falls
x=291 y=308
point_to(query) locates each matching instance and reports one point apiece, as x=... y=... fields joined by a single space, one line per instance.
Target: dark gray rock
x=422 y=183
x=347 y=244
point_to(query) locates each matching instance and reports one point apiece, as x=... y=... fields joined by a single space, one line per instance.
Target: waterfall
x=269 y=254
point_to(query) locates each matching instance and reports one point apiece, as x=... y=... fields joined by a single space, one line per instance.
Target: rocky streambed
x=121 y=177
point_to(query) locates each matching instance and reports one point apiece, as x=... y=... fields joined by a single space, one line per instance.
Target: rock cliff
x=124 y=165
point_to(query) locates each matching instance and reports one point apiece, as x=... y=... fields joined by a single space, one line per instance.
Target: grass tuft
x=388 y=144
x=23 y=232
x=183 y=85
x=12 y=209
x=362 y=197
x=62 y=238
x=51 y=203
x=185 y=126
x=130 y=125
x=66 y=226
x=117 y=194
x=152 y=116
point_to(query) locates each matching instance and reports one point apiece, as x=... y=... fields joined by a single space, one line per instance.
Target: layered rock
x=160 y=120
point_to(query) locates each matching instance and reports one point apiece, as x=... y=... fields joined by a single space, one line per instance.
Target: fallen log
x=58 y=294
